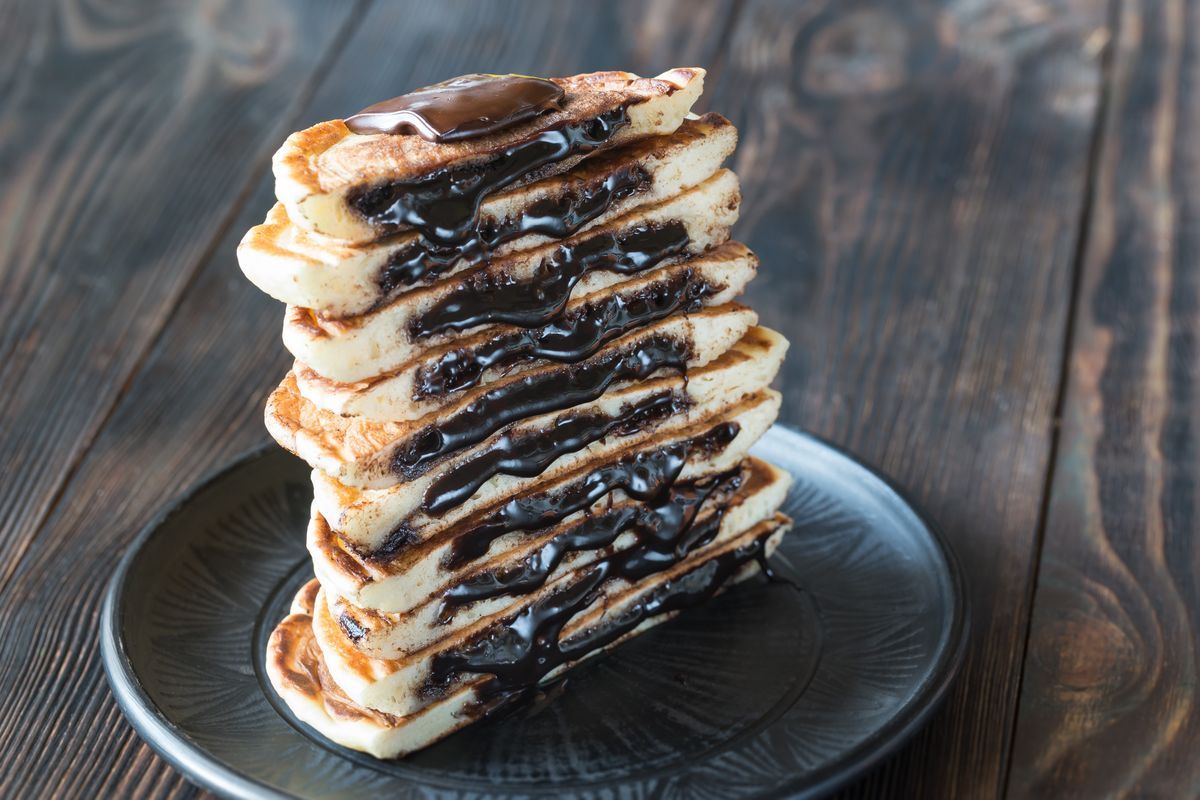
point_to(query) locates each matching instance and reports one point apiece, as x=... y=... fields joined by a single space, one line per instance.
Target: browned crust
x=269 y=238
x=295 y=658
x=338 y=550
x=298 y=151
x=306 y=598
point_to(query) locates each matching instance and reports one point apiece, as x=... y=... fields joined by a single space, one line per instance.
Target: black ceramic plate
x=785 y=688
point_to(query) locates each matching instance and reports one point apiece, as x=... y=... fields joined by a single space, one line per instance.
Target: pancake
x=341 y=184
x=527 y=289
x=297 y=670
x=424 y=461
x=522 y=646
x=683 y=519
x=382 y=521
x=452 y=377
x=424 y=568
x=434 y=375
x=336 y=279
x=371 y=454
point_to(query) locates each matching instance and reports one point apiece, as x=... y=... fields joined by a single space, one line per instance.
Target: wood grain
x=197 y=398
x=127 y=135
x=914 y=176
x=1109 y=705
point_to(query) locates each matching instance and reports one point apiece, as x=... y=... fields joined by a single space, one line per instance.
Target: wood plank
x=198 y=398
x=913 y=178
x=1108 y=703
x=127 y=138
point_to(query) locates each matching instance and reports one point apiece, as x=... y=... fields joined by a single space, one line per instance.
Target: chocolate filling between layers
x=527 y=455
x=556 y=217
x=527 y=648
x=642 y=475
x=444 y=206
x=490 y=298
x=535 y=394
x=658 y=524
x=575 y=336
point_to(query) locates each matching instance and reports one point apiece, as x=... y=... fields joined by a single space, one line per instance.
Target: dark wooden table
x=979 y=229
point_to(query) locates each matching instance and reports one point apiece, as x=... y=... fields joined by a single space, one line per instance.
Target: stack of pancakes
x=527 y=394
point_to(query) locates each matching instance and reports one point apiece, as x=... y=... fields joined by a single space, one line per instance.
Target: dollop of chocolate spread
x=460 y=108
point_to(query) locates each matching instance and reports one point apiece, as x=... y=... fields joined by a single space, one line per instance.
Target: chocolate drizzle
x=557 y=217
x=643 y=475
x=529 y=646
x=576 y=335
x=659 y=525
x=526 y=455
x=349 y=625
x=487 y=297
x=444 y=206
x=533 y=394
x=460 y=108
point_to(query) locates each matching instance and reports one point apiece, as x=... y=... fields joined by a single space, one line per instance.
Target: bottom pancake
x=297 y=669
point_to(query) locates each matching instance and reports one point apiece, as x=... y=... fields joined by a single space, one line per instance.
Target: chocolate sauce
x=528 y=647
x=643 y=476
x=557 y=217
x=659 y=525
x=575 y=336
x=526 y=455
x=765 y=566
x=488 y=297
x=460 y=108
x=444 y=206
x=354 y=632
x=534 y=394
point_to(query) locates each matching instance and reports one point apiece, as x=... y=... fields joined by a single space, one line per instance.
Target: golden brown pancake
x=317 y=168
x=338 y=279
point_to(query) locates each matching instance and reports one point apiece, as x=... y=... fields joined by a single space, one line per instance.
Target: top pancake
x=316 y=168
x=338 y=280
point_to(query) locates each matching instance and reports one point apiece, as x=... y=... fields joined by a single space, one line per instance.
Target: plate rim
x=930 y=695
x=147 y=719
x=209 y=772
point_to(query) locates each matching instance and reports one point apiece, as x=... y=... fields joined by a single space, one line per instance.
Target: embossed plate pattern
x=787 y=688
